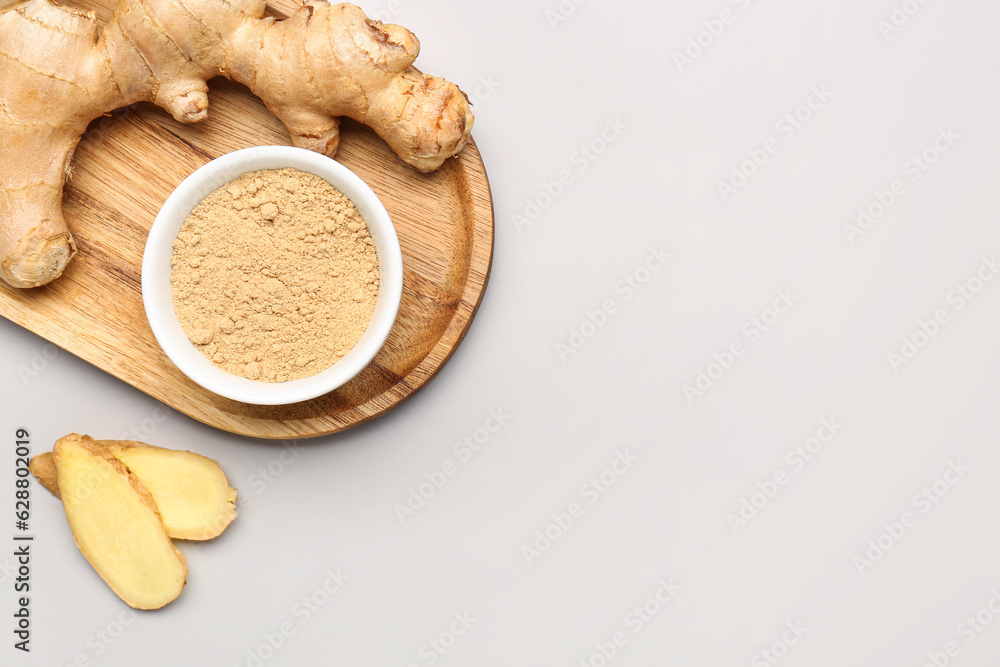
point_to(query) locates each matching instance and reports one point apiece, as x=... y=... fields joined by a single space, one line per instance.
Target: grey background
x=544 y=90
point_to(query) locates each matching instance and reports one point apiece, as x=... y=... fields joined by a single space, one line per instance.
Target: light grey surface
x=544 y=91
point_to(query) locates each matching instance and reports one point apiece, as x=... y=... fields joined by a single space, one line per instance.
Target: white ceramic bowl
x=157 y=299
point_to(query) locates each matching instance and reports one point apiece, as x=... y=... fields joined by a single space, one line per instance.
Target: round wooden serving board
x=127 y=165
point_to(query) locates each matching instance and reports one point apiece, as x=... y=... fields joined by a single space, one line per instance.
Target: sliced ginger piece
x=190 y=490
x=43 y=466
x=116 y=524
x=193 y=494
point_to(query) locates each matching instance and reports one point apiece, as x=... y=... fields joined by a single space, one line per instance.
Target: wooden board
x=127 y=165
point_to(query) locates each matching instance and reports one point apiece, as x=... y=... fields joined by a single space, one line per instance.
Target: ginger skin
x=57 y=73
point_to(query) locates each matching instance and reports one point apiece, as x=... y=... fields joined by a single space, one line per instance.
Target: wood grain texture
x=123 y=171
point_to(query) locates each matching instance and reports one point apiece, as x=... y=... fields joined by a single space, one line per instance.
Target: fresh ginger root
x=191 y=492
x=46 y=102
x=323 y=62
x=116 y=524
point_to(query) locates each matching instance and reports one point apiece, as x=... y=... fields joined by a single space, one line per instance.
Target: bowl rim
x=156 y=287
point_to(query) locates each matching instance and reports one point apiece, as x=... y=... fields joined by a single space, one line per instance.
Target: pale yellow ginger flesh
x=190 y=490
x=116 y=524
x=59 y=70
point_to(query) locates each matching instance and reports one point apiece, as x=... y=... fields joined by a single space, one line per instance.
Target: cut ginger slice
x=191 y=491
x=116 y=524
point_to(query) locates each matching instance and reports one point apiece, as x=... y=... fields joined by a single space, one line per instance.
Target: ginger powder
x=274 y=275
